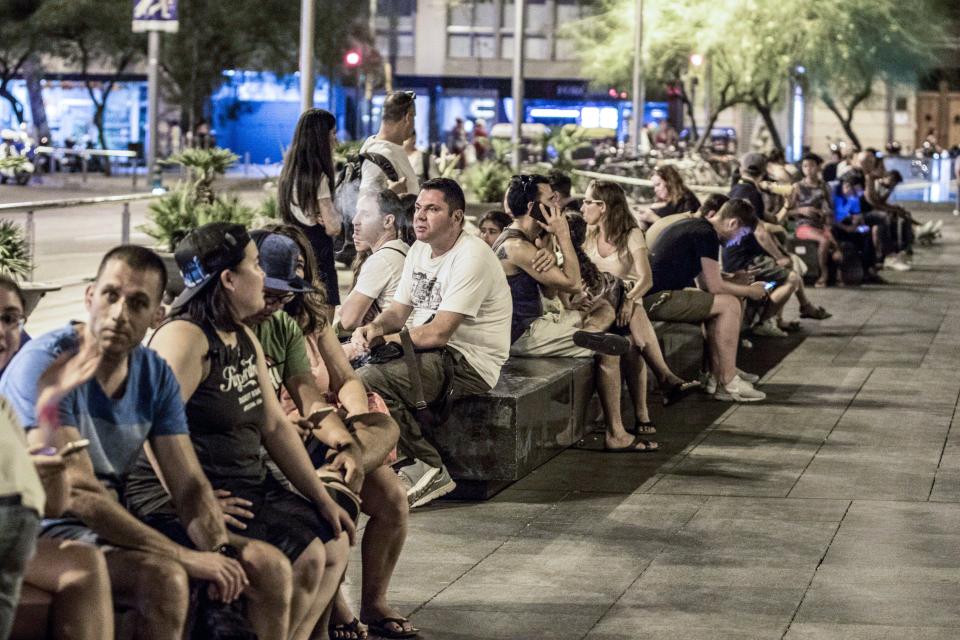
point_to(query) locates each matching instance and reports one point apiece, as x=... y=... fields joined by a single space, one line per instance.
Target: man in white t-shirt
x=377 y=228
x=396 y=125
x=454 y=290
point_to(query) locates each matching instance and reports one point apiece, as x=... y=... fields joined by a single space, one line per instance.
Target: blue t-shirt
x=116 y=427
x=845 y=206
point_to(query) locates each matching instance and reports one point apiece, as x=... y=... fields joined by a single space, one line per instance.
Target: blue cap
x=278 y=259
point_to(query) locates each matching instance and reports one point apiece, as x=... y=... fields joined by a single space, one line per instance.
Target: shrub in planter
x=487 y=181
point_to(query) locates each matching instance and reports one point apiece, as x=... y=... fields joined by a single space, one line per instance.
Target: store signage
x=155 y=15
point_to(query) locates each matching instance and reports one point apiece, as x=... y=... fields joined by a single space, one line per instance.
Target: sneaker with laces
x=769 y=329
x=425 y=483
x=738 y=390
x=896 y=263
x=708 y=383
x=752 y=378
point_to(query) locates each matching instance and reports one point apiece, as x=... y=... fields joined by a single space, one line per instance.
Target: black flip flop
x=640 y=425
x=346 y=631
x=379 y=628
x=679 y=391
x=609 y=344
x=632 y=448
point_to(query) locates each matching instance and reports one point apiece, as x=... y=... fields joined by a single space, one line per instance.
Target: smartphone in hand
x=320 y=415
x=72 y=448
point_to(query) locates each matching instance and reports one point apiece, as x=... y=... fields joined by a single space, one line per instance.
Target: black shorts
x=280 y=517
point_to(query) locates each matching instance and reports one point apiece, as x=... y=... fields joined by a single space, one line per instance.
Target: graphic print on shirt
x=240 y=379
x=425 y=293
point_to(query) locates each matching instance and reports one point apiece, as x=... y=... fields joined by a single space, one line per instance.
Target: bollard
x=246 y=164
x=136 y=161
x=125 y=224
x=83 y=166
x=31 y=234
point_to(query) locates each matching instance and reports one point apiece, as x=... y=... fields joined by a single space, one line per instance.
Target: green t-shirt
x=284 y=348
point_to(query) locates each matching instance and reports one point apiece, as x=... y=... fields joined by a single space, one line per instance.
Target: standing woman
x=615 y=245
x=305 y=197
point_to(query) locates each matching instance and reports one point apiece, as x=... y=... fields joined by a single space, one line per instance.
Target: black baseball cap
x=205 y=253
x=278 y=259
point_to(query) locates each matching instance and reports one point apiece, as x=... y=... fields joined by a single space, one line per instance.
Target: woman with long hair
x=233 y=412
x=383 y=498
x=305 y=192
x=614 y=244
x=671 y=193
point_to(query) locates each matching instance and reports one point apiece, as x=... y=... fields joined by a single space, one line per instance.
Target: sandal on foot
x=380 y=628
x=347 y=631
x=648 y=447
x=816 y=313
x=679 y=391
x=643 y=428
x=791 y=326
x=609 y=344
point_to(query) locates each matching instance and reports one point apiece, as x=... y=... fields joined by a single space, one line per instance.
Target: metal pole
x=639 y=88
x=519 y=8
x=153 y=102
x=125 y=224
x=31 y=233
x=307 y=21
x=890 y=109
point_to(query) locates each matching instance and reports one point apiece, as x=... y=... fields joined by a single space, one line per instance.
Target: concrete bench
x=539 y=407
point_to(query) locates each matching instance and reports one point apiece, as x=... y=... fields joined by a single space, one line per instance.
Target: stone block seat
x=539 y=407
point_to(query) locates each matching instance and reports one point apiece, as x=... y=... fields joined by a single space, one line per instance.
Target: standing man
x=457 y=294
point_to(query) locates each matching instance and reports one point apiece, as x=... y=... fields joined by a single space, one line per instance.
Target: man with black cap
x=133 y=398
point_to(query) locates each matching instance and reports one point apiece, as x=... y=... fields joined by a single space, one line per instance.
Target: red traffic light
x=352 y=58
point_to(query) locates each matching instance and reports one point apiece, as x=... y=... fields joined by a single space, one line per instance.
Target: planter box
x=33 y=291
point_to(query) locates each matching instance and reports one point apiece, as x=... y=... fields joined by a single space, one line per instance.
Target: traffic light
x=353 y=58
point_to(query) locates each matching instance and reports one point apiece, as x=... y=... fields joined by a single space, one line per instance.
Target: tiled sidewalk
x=830 y=511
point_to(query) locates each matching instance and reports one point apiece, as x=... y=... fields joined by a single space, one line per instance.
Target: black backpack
x=347 y=189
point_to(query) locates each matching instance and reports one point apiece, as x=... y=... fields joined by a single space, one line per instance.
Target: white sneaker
x=895 y=263
x=708 y=383
x=925 y=228
x=738 y=390
x=956 y=212
x=752 y=378
x=769 y=329
x=425 y=483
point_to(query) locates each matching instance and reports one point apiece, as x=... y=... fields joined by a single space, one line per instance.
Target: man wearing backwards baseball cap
x=133 y=397
x=232 y=412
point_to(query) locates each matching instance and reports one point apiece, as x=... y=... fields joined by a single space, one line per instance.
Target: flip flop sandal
x=379 y=628
x=790 y=327
x=643 y=428
x=632 y=448
x=609 y=344
x=347 y=631
x=818 y=313
x=679 y=391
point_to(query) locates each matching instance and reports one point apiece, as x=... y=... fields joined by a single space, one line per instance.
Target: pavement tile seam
x=956 y=407
x=827 y=437
x=814 y=576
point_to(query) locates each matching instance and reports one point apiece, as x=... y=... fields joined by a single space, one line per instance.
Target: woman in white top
x=614 y=243
x=382 y=232
x=306 y=186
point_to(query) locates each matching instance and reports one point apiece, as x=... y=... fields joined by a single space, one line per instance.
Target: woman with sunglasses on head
x=615 y=245
x=305 y=192
x=232 y=412
x=383 y=498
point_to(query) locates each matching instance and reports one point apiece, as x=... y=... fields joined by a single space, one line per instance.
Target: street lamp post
x=639 y=88
x=519 y=26
x=307 y=20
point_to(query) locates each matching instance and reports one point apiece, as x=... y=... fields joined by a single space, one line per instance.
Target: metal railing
x=56 y=153
x=30 y=208
x=641 y=182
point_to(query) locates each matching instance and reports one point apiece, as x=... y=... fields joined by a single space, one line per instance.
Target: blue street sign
x=155 y=15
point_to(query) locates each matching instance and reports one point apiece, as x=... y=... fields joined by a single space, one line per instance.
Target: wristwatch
x=228 y=550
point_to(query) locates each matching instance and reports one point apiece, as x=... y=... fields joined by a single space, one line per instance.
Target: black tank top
x=224 y=415
x=524 y=289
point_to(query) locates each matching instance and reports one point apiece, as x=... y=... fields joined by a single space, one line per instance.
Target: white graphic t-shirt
x=380 y=275
x=468 y=280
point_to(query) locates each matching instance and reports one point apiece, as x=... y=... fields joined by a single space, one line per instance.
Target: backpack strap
x=383 y=163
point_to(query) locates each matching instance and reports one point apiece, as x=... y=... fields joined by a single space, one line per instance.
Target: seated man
x=457 y=294
x=561 y=332
x=131 y=398
x=686 y=251
x=850 y=227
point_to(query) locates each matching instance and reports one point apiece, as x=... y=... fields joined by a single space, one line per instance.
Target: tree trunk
x=705 y=138
x=14 y=103
x=767 y=114
x=33 y=72
x=99 y=115
x=694 y=134
x=846 y=121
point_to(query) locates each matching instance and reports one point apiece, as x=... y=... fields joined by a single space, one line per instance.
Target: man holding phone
x=125 y=396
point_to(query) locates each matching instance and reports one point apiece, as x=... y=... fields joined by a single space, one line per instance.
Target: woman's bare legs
x=645 y=338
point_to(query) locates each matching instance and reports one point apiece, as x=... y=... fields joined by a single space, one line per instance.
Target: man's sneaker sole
x=609 y=344
x=438 y=492
x=723 y=396
x=423 y=482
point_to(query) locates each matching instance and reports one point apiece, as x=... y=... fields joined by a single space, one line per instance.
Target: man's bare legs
x=779 y=297
x=75 y=575
x=723 y=335
x=156 y=588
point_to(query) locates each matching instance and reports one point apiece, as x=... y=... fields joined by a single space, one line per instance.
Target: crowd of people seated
x=208 y=479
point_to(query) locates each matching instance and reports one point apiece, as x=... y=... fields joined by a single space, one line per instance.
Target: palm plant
x=14 y=252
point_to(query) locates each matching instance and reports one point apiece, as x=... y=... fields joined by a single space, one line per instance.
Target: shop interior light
x=554 y=113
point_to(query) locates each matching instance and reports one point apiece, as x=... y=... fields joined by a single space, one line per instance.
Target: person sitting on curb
x=457 y=295
x=687 y=251
x=132 y=397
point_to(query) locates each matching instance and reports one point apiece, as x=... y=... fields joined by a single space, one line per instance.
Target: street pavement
x=831 y=511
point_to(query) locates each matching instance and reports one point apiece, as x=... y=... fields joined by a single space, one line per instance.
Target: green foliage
x=203 y=167
x=565 y=140
x=486 y=181
x=14 y=253
x=13 y=162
